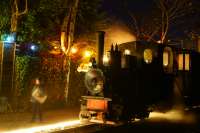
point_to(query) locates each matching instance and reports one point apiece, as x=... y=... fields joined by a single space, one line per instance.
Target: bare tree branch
x=25 y=10
x=171 y=10
x=68 y=27
x=15 y=14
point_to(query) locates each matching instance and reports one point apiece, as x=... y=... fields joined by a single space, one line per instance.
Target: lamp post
x=1 y=63
x=8 y=47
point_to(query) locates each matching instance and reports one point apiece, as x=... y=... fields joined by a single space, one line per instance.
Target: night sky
x=117 y=10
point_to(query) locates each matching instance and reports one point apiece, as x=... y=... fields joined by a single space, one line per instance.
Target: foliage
x=42 y=25
x=44 y=20
x=22 y=73
x=52 y=74
x=4 y=16
x=90 y=18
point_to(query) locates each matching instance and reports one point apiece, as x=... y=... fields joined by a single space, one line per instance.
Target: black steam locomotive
x=139 y=78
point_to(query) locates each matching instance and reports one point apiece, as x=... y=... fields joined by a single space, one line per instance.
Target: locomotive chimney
x=100 y=48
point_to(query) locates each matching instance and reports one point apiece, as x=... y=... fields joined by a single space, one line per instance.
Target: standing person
x=37 y=99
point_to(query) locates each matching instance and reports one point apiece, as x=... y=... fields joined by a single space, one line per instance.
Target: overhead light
x=8 y=38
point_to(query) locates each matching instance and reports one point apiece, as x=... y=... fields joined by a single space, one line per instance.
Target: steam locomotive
x=139 y=78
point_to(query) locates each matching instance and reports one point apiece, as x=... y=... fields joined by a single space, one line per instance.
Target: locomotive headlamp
x=94 y=80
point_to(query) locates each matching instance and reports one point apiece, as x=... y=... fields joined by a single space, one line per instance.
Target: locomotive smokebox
x=100 y=48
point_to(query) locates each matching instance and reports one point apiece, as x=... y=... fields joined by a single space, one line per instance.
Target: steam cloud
x=117 y=34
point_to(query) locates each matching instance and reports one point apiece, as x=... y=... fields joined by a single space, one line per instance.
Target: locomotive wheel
x=101 y=116
x=84 y=116
x=104 y=117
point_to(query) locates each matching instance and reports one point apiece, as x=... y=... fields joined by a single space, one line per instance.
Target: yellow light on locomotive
x=106 y=60
x=84 y=67
x=127 y=52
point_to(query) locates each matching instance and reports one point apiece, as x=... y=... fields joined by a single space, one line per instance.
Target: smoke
x=177 y=113
x=173 y=115
x=116 y=34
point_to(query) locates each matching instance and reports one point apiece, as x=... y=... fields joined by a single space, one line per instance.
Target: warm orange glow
x=74 y=50
x=47 y=128
x=180 y=62
x=84 y=67
x=187 y=62
x=87 y=54
x=185 y=58
x=159 y=41
x=118 y=34
x=173 y=115
x=166 y=58
x=62 y=41
x=148 y=56
x=106 y=60
x=55 y=47
x=96 y=104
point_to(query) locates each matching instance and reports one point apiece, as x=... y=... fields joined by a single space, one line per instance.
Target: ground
x=173 y=121
x=12 y=121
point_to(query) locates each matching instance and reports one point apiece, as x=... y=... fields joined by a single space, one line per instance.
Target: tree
x=67 y=37
x=171 y=11
x=86 y=12
x=16 y=13
x=155 y=23
x=4 y=16
x=47 y=18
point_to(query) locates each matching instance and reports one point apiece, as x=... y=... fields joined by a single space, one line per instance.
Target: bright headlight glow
x=47 y=128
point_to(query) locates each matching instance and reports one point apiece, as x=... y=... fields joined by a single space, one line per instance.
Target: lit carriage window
x=165 y=58
x=184 y=62
x=180 y=62
x=127 y=52
x=168 y=60
x=148 y=57
x=187 y=62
